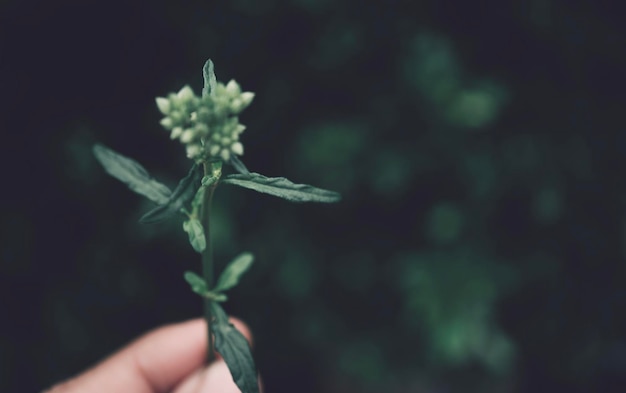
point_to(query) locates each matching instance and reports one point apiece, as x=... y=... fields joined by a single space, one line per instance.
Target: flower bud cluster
x=208 y=126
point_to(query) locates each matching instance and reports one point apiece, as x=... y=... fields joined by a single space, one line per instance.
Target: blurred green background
x=479 y=148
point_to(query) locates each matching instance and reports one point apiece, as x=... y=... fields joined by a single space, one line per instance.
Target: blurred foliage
x=480 y=244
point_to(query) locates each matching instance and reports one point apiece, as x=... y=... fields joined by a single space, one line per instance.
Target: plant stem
x=207 y=257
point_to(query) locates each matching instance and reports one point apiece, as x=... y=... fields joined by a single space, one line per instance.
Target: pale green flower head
x=208 y=126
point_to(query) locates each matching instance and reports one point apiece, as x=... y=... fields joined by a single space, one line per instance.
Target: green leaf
x=217 y=297
x=197 y=283
x=234 y=348
x=231 y=274
x=194 y=229
x=132 y=173
x=210 y=81
x=239 y=165
x=196 y=204
x=283 y=188
x=183 y=193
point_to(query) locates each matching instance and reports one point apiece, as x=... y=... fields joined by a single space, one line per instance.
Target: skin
x=167 y=359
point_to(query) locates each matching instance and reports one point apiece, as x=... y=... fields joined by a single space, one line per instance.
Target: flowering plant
x=208 y=126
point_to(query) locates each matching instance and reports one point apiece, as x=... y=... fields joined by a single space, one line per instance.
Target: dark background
x=479 y=148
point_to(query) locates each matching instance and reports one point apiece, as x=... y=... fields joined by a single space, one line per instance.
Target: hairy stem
x=207 y=256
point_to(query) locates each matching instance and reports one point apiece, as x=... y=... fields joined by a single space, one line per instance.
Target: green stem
x=207 y=257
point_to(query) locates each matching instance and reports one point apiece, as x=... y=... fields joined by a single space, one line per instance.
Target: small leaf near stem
x=194 y=229
x=183 y=193
x=196 y=282
x=231 y=274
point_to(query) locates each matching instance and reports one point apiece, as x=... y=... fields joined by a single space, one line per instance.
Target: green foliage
x=184 y=192
x=138 y=180
x=132 y=173
x=239 y=165
x=282 y=188
x=193 y=228
x=451 y=295
x=232 y=273
x=197 y=283
x=445 y=223
x=234 y=348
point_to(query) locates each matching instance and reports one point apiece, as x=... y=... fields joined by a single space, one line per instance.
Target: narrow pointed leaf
x=210 y=81
x=182 y=194
x=132 y=173
x=234 y=348
x=283 y=188
x=232 y=273
x=194 y=229
x=239 y=165
x=197 y=283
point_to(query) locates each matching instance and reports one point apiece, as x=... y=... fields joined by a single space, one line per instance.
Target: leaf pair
x=228 y=279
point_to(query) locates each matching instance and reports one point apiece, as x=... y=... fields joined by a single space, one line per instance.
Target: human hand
x=168 y=359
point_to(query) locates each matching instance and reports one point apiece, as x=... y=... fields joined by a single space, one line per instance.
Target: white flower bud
x=246 y=98
x=236 y=106
x=167 y=123
x=232 y=88
x=164 y=105
x=177 y=117
x=237 y=148
x=185 y=94
x=176 y=132
x=239 y=129
x=187 y=136
x=201 y=129
x=193 y=151
x=207 y=126
x=214 y=150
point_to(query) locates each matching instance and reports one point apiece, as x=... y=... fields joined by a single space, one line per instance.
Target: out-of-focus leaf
x=183 y=193
x=197 y=283
x=234 y=348
x=231 y=274
x=132 y=173
x=194 y=229
x=283 y=188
